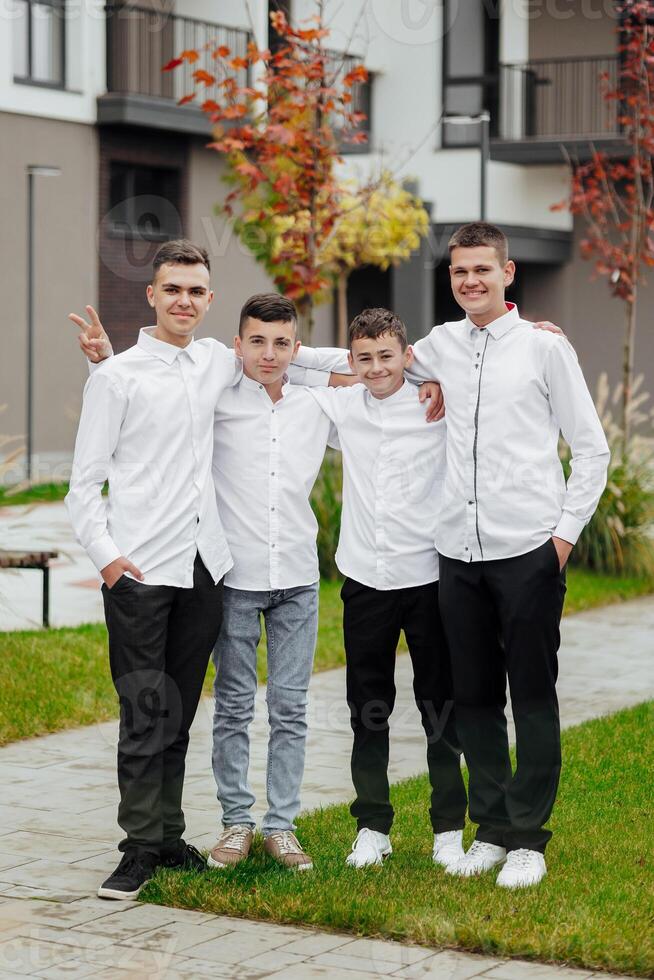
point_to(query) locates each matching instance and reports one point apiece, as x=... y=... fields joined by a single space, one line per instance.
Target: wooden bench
x=33 y=559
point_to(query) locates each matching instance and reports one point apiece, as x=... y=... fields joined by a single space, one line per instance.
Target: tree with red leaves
x=278 y=119
x=616 y=196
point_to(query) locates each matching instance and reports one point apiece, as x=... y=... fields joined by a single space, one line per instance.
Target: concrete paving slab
x=449 y=965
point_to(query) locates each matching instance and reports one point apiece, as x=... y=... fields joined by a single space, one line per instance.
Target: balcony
x=139 y=42
x=551 y=106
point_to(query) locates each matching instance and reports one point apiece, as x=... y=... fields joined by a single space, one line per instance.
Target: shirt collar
x=501 y=325
x=253 y=385
x=159 y=348
x=397 y=396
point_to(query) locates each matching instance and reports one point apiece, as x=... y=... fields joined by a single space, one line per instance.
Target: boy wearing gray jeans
x=269 y=442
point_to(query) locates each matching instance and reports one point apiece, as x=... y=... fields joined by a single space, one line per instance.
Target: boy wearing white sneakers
x=392 y=471
x=506 y=528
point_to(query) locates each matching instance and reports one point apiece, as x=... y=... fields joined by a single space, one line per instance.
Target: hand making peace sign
x=93 y=339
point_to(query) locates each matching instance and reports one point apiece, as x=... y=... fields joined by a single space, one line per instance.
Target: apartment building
x=90 y=124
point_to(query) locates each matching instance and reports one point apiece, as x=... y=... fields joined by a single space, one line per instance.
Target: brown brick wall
x=125 y=263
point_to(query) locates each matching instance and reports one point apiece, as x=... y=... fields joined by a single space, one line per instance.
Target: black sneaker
x=136 y=868
x=182 y=855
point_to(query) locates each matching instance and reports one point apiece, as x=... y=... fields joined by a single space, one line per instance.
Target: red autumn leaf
x=357 y=74
x=175 y=63
x=186 y=98
x=200 y=75
x=222 y=51
x=247 y=169
x=237 y=63
x=209 y=105
x=234 y=111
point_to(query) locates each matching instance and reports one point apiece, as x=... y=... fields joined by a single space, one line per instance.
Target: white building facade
x=82 y=94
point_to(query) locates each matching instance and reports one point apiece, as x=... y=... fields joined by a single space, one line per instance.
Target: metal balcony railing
x=558 y=99
x=141 y=40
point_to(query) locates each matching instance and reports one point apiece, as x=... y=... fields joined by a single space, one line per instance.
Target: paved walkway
x=58 y=831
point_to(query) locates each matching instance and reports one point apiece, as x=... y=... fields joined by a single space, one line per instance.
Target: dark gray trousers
x=160 y=641
x=502 y=619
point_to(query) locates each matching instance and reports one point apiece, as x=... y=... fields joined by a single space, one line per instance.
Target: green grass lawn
x=41 y=493
x=56 y=679
x=594 y=909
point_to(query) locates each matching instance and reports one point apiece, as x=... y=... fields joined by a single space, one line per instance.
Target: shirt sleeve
x=308 y=377
x=103 y=411
x=333 y=402
x=581 y=428
x=323 y=359
x=426 y=360
x=332 y=439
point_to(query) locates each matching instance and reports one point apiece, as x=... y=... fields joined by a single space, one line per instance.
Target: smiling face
x=479 y=281
x=379 y=363
x=267 y=349
x=180 y=295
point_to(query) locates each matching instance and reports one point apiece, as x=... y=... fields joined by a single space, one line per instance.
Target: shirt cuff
x=569 y=528
x=102 y=552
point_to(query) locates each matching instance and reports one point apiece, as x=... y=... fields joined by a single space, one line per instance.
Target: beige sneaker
x=232 y=846
x=284 y=847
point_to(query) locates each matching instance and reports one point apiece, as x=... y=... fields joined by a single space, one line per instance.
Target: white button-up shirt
x=147 y=427
x=393 y=468
x=509 y=390
x=265 y=461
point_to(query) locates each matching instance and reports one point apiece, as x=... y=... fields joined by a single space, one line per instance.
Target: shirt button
x=272 y=545
x=273 y=473
x=471 y=502
x=274 y=440
x=272 y=508
x=478 y=354
x=476 y=367
x=260 y=387
x=466 y=548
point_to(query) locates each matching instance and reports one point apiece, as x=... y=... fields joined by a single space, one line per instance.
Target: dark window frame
x=59 y=8
x=488 y=80
x=131 y=229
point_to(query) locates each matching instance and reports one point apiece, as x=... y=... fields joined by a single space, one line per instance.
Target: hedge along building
x=81 y=91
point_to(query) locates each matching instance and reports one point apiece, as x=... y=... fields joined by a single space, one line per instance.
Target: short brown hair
x=481 y=233
x=179 y=251
x=375 y=322
x=269 y=308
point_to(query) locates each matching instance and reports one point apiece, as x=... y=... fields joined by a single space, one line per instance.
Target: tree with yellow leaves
x=381 y=226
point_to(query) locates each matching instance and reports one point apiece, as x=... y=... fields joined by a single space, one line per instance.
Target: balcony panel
x=553 y=105
x=140 y=41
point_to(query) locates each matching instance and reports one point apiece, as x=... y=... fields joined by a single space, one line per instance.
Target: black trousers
x=160 y=641
x=372 y=621
x=502 y=618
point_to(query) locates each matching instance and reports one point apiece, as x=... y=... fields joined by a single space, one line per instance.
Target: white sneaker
x=370 y=847
x=522 y=868
x=481 y=857
x=448 y=848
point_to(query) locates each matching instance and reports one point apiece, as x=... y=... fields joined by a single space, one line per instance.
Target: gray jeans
x=291 y=617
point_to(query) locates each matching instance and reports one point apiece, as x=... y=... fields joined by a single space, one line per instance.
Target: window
x=144 y=202
x=39 y=42
x=470 y=67
x=274 y=40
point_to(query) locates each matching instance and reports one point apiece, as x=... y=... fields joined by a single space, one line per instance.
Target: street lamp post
x=480 y=119
x=32 y=172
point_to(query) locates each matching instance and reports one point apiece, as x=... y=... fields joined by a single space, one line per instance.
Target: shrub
x=326 y=499
x=619 y=538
